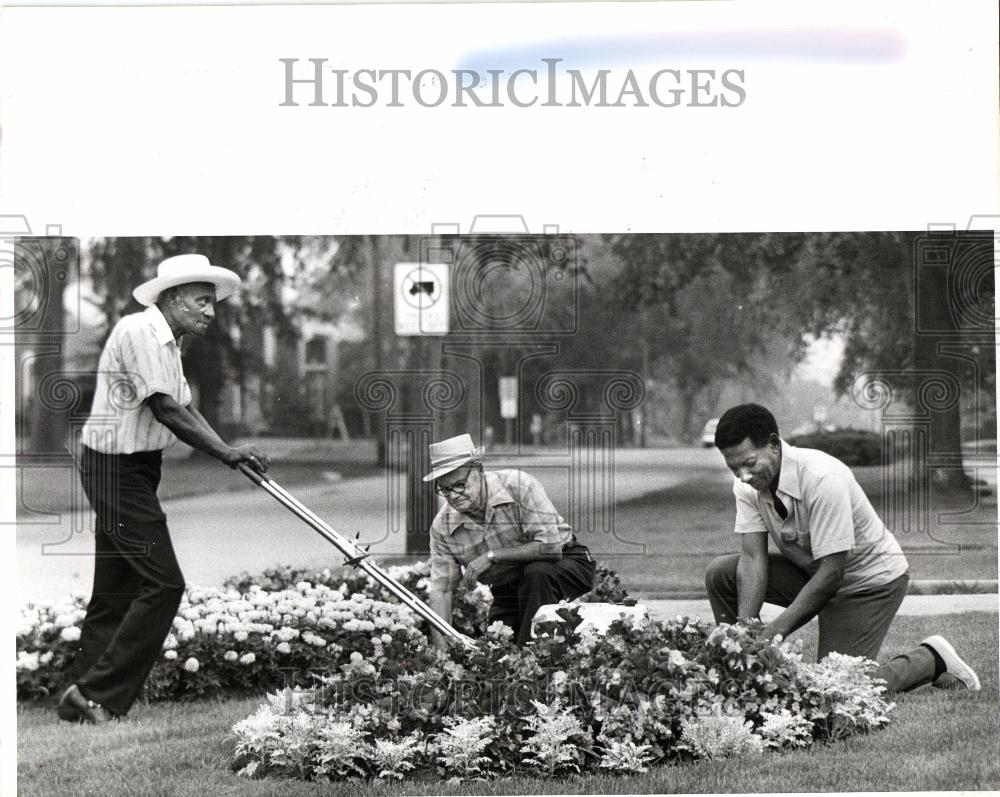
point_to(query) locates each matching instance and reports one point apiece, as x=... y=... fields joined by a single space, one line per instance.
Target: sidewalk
x=912 y=605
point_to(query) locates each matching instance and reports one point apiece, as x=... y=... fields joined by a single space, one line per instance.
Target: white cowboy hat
x=451 y=454
x=183 y=269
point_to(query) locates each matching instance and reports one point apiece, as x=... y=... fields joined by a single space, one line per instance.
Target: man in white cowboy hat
x=142 y=404
x=500 y=528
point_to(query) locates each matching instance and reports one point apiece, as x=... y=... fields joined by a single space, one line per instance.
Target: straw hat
x=183 y=269
x=451 y=454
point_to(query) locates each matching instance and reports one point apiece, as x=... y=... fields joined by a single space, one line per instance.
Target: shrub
x=280 y=627
x=637 y=696
x=853 y=447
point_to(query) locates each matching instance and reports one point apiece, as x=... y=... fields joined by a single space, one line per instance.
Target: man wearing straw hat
x=142 y=405
x=500 y=528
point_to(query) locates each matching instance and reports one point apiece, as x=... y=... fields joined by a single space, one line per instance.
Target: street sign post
x=508 y=404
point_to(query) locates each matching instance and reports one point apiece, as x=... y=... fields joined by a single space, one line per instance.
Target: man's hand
x=474 y=569
x=251 y=455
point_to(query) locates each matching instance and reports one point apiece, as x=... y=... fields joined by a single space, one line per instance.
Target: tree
x=915 y=304
x=274 y=270
x=708 y=306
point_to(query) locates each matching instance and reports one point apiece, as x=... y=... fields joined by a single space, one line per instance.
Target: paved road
x=223 y=534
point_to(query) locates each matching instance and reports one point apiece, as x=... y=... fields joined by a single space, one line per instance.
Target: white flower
x=170 y=642
x=170 y=655
x=241 y=636
x=64 y=620
x=70 y=634
x=286 y=634
x=231 y=655
x=284 y=647
x=27 y=661
x=46 y=657
x=192 y=665
x=499 y=630
x=676 y=658
x=248 y=658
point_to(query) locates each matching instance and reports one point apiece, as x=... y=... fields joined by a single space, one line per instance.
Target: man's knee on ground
x=720 y=571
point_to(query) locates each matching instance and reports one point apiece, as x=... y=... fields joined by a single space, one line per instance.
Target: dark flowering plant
x=636 y=696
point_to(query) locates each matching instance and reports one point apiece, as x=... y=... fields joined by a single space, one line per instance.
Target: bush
x=264 y=631
x=853 y=447
x=649 y=693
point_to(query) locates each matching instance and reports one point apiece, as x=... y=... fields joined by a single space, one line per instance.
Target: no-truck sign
x=421 y=298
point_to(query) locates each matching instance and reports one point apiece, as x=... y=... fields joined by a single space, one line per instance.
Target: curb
x=927 y=586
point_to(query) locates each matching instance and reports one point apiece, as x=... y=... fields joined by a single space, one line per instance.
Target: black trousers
x=138 y=584
x=520 y=590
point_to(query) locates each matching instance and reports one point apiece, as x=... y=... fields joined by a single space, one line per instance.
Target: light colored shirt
x=517 y=512
x=828 y=513
x=140 y=358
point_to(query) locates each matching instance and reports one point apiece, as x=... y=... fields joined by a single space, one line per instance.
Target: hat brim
x=437 y=473
x=225 y=281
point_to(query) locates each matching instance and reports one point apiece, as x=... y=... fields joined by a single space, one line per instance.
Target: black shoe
x=74 y=707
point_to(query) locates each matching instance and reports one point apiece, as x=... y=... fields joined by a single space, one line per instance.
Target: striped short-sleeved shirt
x=517 y=512
x=140 y=358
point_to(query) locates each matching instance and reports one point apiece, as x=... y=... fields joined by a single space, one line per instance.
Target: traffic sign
x=421 y=296
x=508 y=397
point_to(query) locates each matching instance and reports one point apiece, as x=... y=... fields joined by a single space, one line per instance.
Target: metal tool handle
x=353 y=553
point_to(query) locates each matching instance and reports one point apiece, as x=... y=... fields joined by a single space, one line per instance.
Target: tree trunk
x=934 y=320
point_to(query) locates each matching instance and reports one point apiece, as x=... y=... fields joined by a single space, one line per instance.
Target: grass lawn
x=684 y=529
x=937 y=740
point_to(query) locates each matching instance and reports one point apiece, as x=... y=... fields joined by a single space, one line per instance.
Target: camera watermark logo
x=506 y=281
x=46 y=272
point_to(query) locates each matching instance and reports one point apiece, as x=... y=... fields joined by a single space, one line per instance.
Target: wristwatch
x=491 y=556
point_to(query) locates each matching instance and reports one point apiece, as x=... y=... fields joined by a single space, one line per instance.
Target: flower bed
x=660 y=693
x=373 y=699
x=259 y=632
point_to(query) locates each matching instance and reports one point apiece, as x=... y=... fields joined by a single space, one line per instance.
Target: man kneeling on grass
x=500 y=528
x=835 y=557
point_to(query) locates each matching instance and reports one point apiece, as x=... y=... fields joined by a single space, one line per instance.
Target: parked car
x=708 y=433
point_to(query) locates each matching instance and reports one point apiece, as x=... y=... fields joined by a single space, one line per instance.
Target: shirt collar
x=161 y=329
x=496 y=494
x=788 y=481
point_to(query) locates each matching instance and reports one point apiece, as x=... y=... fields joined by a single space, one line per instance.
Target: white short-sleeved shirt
x=140 y=358
x=828 y=512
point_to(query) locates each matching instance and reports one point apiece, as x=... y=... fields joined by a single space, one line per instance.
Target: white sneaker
x=954 y=666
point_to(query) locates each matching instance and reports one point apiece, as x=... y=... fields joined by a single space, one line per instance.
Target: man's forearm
x=533 y=551
x=808 y=603
x=440 y=603
x=200 y=419
x=751 y=586
x=191 y=428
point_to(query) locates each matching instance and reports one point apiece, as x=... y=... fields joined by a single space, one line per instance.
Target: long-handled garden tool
x=354 y=554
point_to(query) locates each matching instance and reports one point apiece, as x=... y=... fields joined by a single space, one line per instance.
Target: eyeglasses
x=458 y=488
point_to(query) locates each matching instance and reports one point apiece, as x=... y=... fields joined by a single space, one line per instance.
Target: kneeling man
x=502 y=529
x=835 y=558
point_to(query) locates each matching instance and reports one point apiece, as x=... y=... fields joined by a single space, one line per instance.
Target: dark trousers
x=519 y=590
x=854 y=625
x=138 y=584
